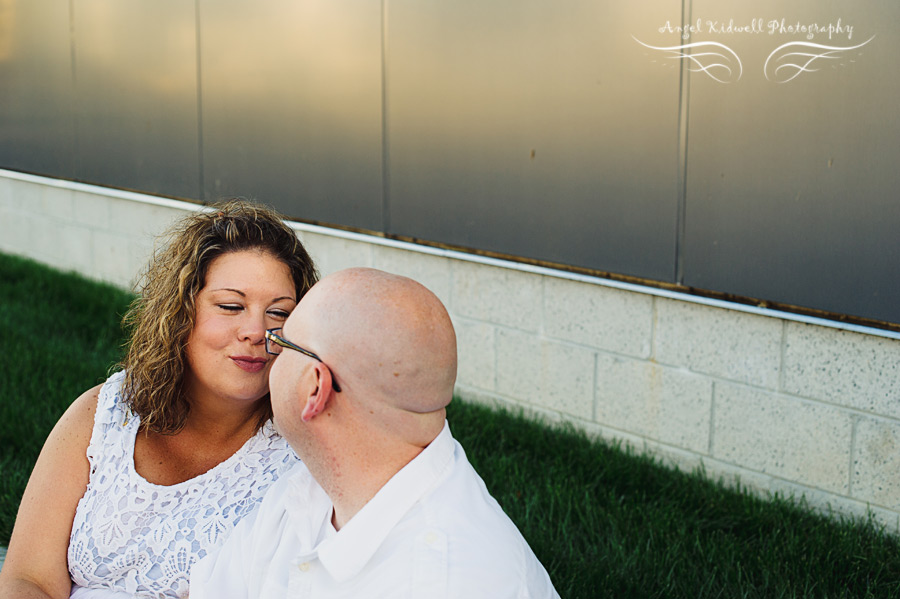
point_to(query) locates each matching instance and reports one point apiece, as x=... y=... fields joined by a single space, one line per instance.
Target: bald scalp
x=388 y=337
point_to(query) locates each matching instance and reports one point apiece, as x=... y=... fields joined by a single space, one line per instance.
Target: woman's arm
x=36 y=564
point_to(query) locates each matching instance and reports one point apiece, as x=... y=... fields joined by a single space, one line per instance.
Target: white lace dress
x=132 y=538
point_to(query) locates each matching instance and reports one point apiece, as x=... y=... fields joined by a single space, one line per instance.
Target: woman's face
x=246 y=292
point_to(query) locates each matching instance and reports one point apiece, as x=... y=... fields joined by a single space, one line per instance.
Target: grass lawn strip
x=605 y=521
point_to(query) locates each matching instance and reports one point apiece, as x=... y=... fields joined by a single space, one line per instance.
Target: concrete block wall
x=782 y=403
x=105 y=234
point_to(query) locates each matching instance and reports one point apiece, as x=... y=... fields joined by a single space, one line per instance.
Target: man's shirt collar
x=346 y=553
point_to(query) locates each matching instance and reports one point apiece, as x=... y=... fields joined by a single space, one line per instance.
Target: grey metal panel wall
x=523 y=128
x=793 y=185
x=532 y=128
x=37 y=131
x=292 y=106
x=136 y=85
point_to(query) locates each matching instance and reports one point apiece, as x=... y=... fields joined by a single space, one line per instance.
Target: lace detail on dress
x=132 y=536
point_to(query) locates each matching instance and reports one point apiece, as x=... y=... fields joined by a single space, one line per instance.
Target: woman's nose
x=253 y=329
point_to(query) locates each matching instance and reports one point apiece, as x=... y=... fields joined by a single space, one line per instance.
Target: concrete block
x=624 y=440
x=832 y=505
x=812 y=499
x=477 y=396
x=138 y=219
x=890 y=519
x=431 y=271
x=475 y=353
x=851 y=369
x=608 y=319
x=876 y=464
x=15 y=231
x=668 y=405
x=43 y=244
x=741 y=347
x=545 y=373
x=139 y=254
x=57 y=203
x=738 y=478
x=112 y=260
x=74 y=248
x=518 y=364
x=92 y=210
x=24 y=196
x=535 y=413
x=8 y=201
x=567 y=380
x=498 y=295
x=332 y=254
x=773 y=434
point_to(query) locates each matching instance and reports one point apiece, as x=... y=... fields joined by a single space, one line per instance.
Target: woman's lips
x=249 y=363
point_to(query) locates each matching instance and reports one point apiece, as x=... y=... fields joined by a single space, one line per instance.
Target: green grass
x=59 y=335
x=609 y=523
x=604 y=521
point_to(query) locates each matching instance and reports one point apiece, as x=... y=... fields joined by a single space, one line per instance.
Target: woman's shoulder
x=87 y=401
x=113 y=424
x=111 y=407
x=78 y=420
x=57 y=482
x=112 y=386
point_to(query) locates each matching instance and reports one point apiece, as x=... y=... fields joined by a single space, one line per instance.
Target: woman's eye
x=231 y=307
x=279 y=314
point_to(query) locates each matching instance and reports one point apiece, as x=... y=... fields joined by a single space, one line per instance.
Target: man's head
x=387 y=341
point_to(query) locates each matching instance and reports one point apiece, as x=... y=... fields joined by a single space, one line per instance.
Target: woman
x=147 y=472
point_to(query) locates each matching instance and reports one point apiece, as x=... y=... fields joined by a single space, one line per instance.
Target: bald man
x=385 y=503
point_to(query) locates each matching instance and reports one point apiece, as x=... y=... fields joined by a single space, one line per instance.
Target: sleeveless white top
x=132 y=538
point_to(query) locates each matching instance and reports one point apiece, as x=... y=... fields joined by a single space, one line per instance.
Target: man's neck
x=351 y=481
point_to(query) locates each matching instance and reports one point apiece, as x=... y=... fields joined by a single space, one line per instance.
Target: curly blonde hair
x=162 y=317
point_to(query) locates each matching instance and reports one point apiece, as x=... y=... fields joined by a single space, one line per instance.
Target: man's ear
x=321 y=395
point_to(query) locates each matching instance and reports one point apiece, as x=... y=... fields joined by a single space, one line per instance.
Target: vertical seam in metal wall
x=76 y=166
x=683 y=113
x=385 y=147
x=200 y=191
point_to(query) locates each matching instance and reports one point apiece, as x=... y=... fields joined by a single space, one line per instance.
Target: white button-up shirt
x=432 y=531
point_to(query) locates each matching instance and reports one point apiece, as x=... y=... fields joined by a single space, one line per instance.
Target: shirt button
x=304 y=567
x=431 y=538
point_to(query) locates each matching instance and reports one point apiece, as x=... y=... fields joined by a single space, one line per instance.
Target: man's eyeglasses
x=274 y=343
